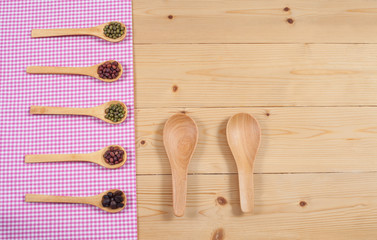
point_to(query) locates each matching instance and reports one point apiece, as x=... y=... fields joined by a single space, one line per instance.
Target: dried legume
x=109 y=70
x=115 y=112
x=114 y=30
x=114 y=155
x=113 y=200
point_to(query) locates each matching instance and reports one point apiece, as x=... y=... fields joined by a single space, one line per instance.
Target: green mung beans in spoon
x=115 y=112
x=114 y=30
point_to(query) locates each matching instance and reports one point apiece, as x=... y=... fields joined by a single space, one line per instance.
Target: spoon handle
x=60 y=70
x=40 y=158
x=56 y=199
x=60 y=110
x=38 y=33
x=179 y=194
x=246 y=182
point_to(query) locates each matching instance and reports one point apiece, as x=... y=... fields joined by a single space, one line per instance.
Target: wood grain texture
x=294 y=65
x=235 y=75
x=254 y=21
x=304 y=139
x=287 y=206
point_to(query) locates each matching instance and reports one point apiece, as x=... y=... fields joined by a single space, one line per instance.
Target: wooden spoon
x=95 y=200
x=98 y=112
x=244 y=134
x=87 y=71
x=180 y=137
x=93 y=31
x=94 y=157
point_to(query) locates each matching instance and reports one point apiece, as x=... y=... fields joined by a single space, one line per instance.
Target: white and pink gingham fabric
x=22 y=133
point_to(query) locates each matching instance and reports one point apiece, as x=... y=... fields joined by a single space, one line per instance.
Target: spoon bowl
x=94 y=157
x=243 y=134
x=107 y=209
x=95 y=200
x=98 y=111
x=94 y=71
x=91 y=71
x=100 y=160
x=93 y=31
x=180 y=136
x=100 y=32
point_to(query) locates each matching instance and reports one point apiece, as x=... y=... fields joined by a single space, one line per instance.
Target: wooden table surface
x=307 y=70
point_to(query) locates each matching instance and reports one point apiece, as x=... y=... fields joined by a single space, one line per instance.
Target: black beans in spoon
x=113 y=200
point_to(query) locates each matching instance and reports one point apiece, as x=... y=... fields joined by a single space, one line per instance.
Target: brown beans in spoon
x=102 y=157
x=108 y=71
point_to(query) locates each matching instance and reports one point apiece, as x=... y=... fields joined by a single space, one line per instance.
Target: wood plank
x=210 y=75
x=294 y=139
x=288 y=206
x=254 y=21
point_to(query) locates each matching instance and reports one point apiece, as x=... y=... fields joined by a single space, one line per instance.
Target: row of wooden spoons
x=94 y=157
x=180 y=136
x=97 y=31
x=98 y=112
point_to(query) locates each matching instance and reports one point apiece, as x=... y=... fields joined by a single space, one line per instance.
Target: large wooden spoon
x=91 y=71
x=95 y=200
x=93 y=31
x=180 y=137
x=94 y=157
x=98 y=112
x=244 y=134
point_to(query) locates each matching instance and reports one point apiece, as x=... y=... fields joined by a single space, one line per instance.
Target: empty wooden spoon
x=93 y=31
x=180 y=137
x=244 y=134
x=91 y=71
x=95 y=200
x=98 y=111
x=94 y=157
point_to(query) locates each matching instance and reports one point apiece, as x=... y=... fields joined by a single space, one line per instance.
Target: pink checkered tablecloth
x=22 y=133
